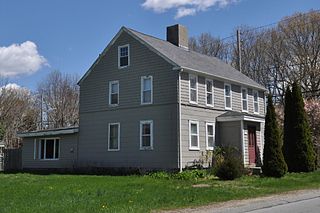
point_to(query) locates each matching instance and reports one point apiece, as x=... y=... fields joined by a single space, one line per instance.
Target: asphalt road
x=305 y=201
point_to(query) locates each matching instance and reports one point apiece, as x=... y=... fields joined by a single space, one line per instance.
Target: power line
x=270 y=24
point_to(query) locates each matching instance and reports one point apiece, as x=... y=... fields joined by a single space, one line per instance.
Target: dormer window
x=123 y=56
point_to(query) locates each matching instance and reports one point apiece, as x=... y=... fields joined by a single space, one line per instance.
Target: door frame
x=252 y=130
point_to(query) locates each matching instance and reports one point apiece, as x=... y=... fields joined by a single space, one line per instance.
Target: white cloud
x=182 y=11
x=184 y=7
x=12 y=86
x=19 y=59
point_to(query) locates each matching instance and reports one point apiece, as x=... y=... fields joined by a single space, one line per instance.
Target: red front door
x=252 y=139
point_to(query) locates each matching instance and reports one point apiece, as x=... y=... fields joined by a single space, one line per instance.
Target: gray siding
x=95 y=114
x=230 y=134
x=93 y=147
x=67 y=157
x=201 y=115
x=219 y=102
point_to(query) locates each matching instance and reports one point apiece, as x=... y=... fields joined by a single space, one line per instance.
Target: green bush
x=274 y=164
x=231 y=166
x=191 y=174
x=298 y=147
x=160 y=175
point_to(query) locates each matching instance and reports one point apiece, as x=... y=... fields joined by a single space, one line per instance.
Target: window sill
x=226 y=108
x=113 y=150
x=194 y=149
x=210 y=105
x=113 y=105
x=209 y=148
x=49 y=159
x=146 y=148
x=123 y=67
x=146 y=103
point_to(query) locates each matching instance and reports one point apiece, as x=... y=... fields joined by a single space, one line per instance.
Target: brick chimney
x=178 y=35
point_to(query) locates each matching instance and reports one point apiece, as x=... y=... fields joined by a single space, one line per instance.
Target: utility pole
x=239 y=49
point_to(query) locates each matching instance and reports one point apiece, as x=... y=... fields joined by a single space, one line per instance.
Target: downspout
x=179 y=119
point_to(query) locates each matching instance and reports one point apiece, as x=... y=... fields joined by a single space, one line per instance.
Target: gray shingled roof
x=196 y=61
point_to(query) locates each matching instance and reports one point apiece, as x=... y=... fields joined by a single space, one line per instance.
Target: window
x=193 y=85
x=114 y=137
x=146 y=90
x=227 y=96
x=209 y=136
x=114 y=93
x=209 y=92
x=194 y=135
x=256 y=101
x=244 y=98
x=146 y=135
x=123 y=56
x=49 y=149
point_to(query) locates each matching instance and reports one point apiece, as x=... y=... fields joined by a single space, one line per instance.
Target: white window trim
x=119 y=47
x=110 y=84
x=207 y=136
x=141 y=90
x=253 y=92
x=34 y=149
x=44 y=149
x=109 y=125
x=225 y=103
x=193 y=102
x=243 y=88
x=190 y=146
x=212 y=93
x=151 y=135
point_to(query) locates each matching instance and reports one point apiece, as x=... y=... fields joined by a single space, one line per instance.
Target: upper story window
x=244 y=98
x=256 y=101
x=209 y=136
x=209 y=92
x=114 y=93
x=114 y=137
x=146 y=90
x=194 y=135
x=123 y=56
x=146 y=135
x=227 y=96
x=49 y=149
x=193 y=88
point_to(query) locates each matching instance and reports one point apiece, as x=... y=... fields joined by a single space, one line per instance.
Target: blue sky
x=68 y=35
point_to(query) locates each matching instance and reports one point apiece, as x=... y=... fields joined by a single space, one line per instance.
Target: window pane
x=228 y=102
x=124 y=61
x=227 y=90
x=209 y=86
x=193 y=82
x=123 y=51
x=146 y=141
x=193 y=95
x=146 y=129
x=57 y=148
x=256 y=107
x=147 y=97
x=210 y=129
x=255 y=96
x=49 y=149
x=209 y=98
x=113 y=140
x=114 y=88
x=210 y=141
x=244 y=94
x=114 y=98
x=147 y=84
x=194 y=140
x=194 y=129
x=42 y=149
x=244 y=105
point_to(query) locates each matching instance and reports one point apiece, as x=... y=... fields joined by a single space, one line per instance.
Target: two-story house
x=152 y=103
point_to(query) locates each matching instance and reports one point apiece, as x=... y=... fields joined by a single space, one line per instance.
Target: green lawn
x=84 y=193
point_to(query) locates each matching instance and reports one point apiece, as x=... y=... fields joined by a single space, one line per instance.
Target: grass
x=84 y=193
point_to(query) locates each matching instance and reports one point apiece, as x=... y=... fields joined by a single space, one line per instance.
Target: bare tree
x=209 y=45
x=58 y=99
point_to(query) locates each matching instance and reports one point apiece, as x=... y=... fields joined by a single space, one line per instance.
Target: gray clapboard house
x=152 y=103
